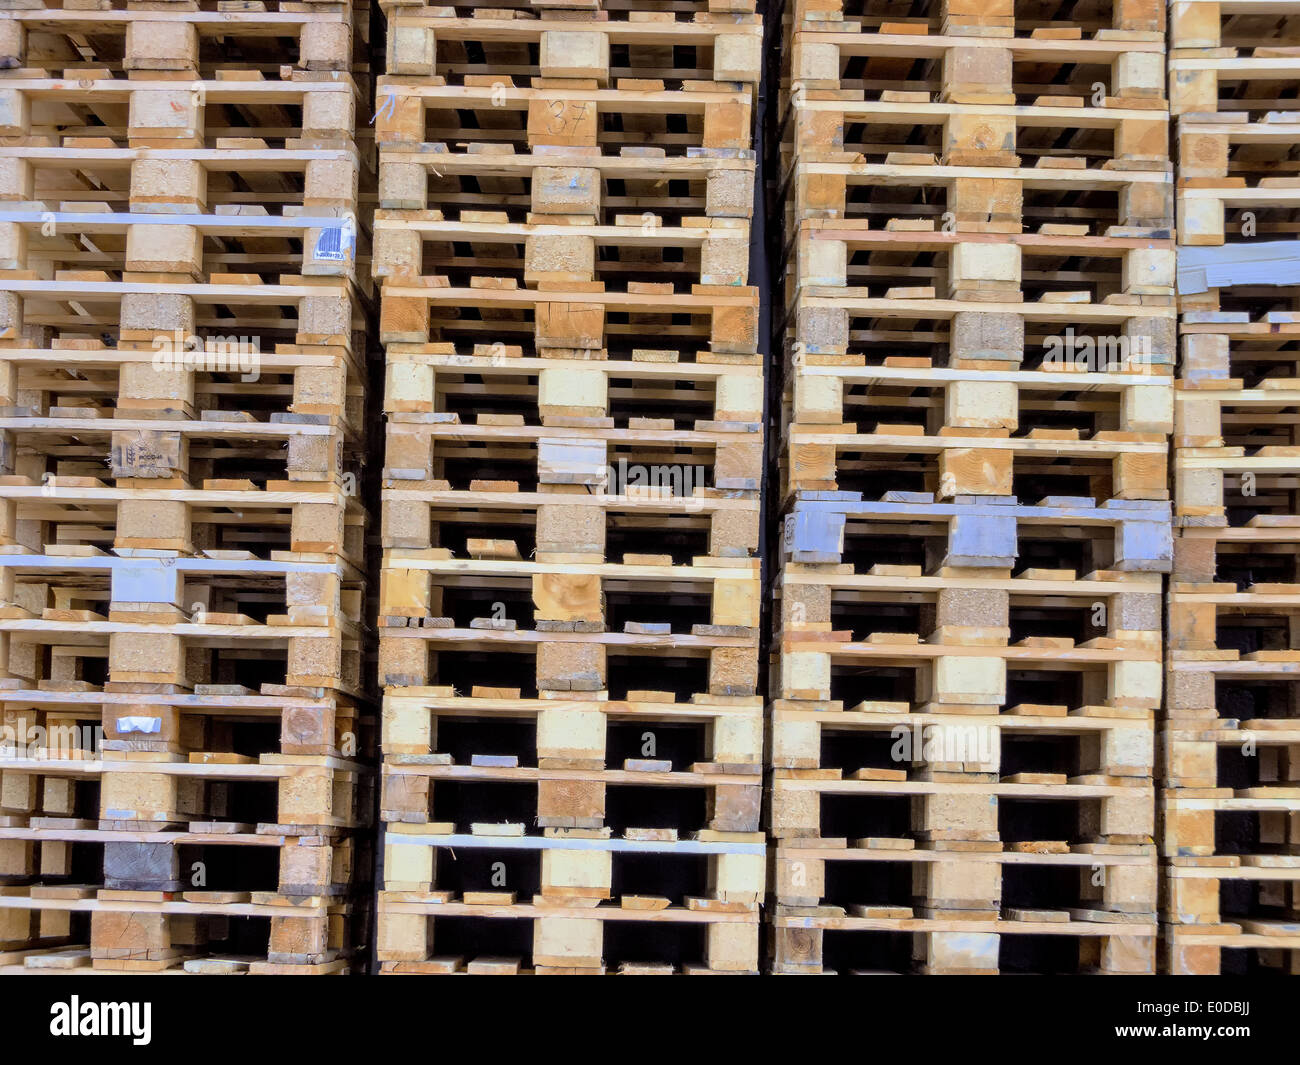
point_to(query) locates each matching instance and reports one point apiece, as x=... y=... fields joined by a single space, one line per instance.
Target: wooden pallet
x=910 y=528
x=567 y=761
x=182 y=376
x=84 y=512
x=1229 y=66
x=169 y=788
x=720 y=40
x=978 y=320
x=566 y=95
x=975 y=778
x=1229 y=881
x=202 y=933
x=573 y=872
x=443 y=456
x=564 y=152
x=574 y=395
x=1230 y=788
x=1235 y=446
x=76 y=733
x=581 y=167
x=580 y=731
x=118 y=367
x=976 y=426
x=297 y=653
x=1081 y=941
x=909 y=93
x=1000 y=18
x=1230 y=782
x=967 y=665
x=325 y=37
x=953 y=213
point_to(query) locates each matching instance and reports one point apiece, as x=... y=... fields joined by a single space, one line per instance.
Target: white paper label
x=139 y=724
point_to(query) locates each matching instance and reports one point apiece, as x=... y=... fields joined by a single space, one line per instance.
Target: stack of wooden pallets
x=572 y=735
x=1230 y=808
x=979 y=339
x=182 y=345
x=973 y=300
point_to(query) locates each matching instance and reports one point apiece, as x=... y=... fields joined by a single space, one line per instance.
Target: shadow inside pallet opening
x=666 y=942
x=1254 y=699
x=680 y=744
x=464 y=803
x=462 y=869
x=252 y=669
x=1063 y=552
x=1045 y=687
x=874 y=473
x=851 y=884
x=488 y=464
x=868 y=617
x=1066 y=547
x=1042 y=887
x=472 y=937
x=864 y=551
x=510 y=599
x=680 y=610
x=683 y=401
x=1271 y=222
x=683 y=677
x=853 y=684
x=1260 y=630
x=633 y=535
x=246 y=801
x=636 y=806
x=853 y=749
x=858 y=817
x=1252 y=962
x=1039 y=753
x=468 y=869
x=1077 y=622
x=226 y=868
x=520 y=529
x=462 y=738
x=1021 y=820
x=870 y=952
x=465 y=670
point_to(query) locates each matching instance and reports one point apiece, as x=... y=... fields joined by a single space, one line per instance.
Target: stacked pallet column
x=181 y=595
x=572 y=736
x=979 y=338
x=1230 y=766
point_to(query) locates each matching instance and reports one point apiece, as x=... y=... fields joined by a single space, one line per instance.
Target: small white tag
x=139 y=724
x=334 y=244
